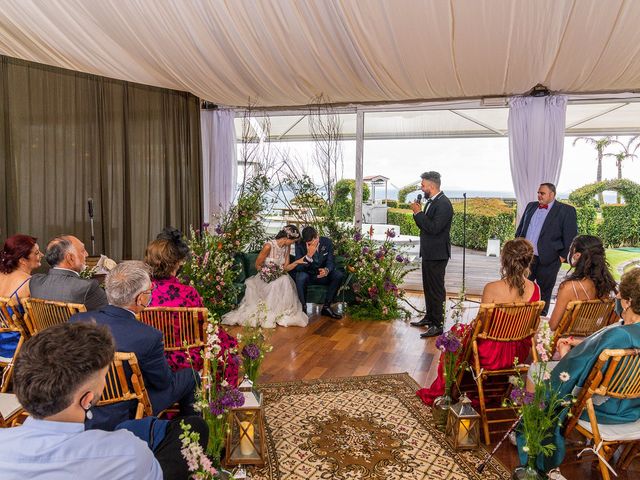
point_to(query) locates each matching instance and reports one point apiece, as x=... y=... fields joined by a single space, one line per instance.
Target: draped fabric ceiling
x=286 y=52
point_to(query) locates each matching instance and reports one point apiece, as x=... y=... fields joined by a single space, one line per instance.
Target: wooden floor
x=329 y=348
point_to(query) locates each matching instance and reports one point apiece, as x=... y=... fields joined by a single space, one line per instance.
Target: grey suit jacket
x=66 y=286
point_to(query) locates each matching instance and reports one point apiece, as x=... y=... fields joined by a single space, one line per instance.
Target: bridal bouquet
x=270 y=272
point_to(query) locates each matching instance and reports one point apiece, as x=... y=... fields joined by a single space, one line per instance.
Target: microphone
x=90 y=205
x=419 y=198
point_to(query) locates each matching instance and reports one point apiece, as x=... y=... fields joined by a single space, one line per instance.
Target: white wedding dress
x=267 y=304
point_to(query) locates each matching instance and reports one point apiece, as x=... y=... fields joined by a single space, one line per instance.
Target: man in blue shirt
x=59 y=375
x=550 y=226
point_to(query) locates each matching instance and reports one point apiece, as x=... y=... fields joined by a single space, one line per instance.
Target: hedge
x=486 y=217
x=620 y=226
x=587 y=220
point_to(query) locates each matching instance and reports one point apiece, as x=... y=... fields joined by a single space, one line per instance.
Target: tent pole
x=359 y=168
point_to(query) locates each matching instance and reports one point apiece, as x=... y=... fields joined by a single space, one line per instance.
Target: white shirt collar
x=67 y=269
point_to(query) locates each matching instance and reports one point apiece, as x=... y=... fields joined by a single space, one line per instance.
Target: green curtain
x=66 y=136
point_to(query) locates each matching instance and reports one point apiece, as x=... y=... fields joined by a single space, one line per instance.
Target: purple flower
x=399 y=258
x=356 y=287
x=390 y=233
x=521 y=397
x=251 y=351
x=219 y=230
x=216 y=408
x=380 y=253
x=357 y=236
x=448 y=342
x=365 y=250
x=388 y=285
x=232 y=398
x=373 y=292
x=205 y=226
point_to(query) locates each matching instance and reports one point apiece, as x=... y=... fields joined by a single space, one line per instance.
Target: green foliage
x=404 y=191
x=629 y=190
x=377 y=271
x=620 y=225
x=392 y=203
x=486 y=218
x=344 y=195
x=587 y=216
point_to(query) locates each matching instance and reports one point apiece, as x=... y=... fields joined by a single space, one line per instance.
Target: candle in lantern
x=463 y=432
x=246 y=439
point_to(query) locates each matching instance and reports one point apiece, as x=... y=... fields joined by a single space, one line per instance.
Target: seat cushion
x=615 y=432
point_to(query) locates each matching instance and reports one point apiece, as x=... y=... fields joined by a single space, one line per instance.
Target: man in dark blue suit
x=129 y=291
x=319 y=268
x=550 y=226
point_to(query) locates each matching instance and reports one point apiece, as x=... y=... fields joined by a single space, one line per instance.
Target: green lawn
x=615 y=258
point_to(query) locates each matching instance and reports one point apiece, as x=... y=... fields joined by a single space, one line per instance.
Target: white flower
x=564 y=376
x=546 y=376
x=525 y=449
x=513 y=380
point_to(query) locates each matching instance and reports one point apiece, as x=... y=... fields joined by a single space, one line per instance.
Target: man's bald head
x=66 y=251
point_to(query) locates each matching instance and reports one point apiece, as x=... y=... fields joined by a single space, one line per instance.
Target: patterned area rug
x=372 y=427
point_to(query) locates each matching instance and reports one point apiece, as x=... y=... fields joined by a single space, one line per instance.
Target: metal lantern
x=245 y=443
x=463 y=425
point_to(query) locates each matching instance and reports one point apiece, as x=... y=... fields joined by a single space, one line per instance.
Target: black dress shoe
x=431 y=332
x=330 y=312
x=420 y=323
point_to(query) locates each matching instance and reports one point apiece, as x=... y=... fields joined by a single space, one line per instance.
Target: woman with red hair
x=19 y=256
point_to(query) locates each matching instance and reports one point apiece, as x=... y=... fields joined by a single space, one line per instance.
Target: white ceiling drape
x=285 y=52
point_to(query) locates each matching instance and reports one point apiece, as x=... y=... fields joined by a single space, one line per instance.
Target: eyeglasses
x=150 y=291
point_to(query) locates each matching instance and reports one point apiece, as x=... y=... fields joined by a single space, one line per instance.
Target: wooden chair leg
x=483 y=411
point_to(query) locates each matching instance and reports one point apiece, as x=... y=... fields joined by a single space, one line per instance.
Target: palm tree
x=626 y=151
x=600 y=144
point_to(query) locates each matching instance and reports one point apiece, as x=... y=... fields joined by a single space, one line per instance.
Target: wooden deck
x=480 y=270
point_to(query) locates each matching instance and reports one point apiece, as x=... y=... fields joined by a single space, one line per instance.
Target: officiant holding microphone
x=434 y=222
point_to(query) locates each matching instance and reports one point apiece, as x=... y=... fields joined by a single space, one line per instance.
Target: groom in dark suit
x=550 y=226
x=434 y=222
x=319 y=268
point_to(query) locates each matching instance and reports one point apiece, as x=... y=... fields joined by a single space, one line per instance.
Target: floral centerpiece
x=270 y=271
x=450 y=343
x=254 y=346
x=219 y=392
x=539 y=410
x=377 y=270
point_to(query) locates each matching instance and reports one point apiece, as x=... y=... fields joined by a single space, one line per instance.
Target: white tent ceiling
x=286 y=52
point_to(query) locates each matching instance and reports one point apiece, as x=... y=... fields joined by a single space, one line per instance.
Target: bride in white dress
x=267 y=304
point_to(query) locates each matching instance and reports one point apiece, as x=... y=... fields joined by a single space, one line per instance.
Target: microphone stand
x=93 y=235
x=464 y=243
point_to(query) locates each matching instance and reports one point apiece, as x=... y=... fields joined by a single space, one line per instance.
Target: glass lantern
x=245 y=443
x=463 y=425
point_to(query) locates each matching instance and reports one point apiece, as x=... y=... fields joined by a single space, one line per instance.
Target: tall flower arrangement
x=253 y=347
x=377 y=270
x=212 y=269
x=219 y=392
x=539 y=410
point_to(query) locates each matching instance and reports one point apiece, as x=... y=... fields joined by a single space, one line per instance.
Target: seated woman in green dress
x=580 y=356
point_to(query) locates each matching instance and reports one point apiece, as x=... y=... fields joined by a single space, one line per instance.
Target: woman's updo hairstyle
x=164 y=253
x=15 y=247
x=517 y=255
x=290 y=232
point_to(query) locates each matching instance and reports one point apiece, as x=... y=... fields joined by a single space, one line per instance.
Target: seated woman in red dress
x=513 y=286
x=165 y=256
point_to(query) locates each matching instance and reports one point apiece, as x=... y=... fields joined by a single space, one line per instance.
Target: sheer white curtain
x=536 y=144
x=219 y=173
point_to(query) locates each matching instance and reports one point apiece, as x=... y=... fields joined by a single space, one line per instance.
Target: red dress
x=170 y=292
x=493 y=356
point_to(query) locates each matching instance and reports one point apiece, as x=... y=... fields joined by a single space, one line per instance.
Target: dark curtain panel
x=66 y=136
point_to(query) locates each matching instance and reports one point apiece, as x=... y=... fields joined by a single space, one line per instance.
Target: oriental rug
x=372 y=427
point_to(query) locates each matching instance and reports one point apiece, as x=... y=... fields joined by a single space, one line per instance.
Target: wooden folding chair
x=40 y=314
x=11 y=315
x=501 y=322
x=7 y=366
x=182 y=327
x=616 y=374
x=584 y=317
x=118 y=387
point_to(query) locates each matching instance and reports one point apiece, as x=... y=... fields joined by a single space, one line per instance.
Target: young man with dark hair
x=59 y=376
x=434 y=222
x=319 y=268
